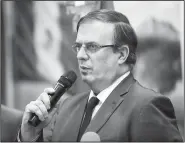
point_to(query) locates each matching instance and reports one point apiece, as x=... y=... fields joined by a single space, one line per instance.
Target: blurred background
x=37 y=37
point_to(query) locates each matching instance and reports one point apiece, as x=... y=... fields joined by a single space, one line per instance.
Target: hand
x=39 y=107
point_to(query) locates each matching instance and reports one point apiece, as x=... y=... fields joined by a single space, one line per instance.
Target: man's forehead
x=95 y=31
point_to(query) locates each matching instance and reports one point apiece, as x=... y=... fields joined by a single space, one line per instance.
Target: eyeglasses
x=90 y=47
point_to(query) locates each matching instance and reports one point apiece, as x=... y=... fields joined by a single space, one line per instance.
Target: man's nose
x=82 y=55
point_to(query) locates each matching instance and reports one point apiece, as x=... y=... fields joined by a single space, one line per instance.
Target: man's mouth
x=84 y=68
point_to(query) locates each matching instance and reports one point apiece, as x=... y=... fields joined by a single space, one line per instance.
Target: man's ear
x=124 y=52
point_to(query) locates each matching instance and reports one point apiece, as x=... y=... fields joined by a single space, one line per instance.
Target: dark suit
x=130 y=113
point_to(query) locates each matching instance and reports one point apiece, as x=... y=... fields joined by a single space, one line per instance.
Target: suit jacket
x=130 y=113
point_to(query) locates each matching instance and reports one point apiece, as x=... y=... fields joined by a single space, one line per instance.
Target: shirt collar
x=102 y=96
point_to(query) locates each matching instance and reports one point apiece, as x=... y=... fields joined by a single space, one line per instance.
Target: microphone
x=90 y=136
x=63 y=84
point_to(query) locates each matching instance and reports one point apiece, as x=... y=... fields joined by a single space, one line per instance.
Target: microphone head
x=71 y=76
x=90 y=136
x=68 y=79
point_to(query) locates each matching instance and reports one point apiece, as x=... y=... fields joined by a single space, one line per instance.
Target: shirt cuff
x=19 y=137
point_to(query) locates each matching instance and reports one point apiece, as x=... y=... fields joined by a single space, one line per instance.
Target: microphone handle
x=59 y=91
x=34 y=121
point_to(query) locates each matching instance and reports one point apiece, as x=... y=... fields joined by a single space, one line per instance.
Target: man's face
x=98 y=67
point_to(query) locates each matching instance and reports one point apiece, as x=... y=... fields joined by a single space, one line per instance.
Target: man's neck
x=97 y=88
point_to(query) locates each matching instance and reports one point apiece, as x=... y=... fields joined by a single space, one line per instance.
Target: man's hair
x=123 y=31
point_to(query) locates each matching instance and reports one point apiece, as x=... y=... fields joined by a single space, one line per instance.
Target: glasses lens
x=92 y=47
x=76 y=47
x=89 y=47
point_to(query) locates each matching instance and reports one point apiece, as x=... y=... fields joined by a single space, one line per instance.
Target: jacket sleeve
x=156 y=121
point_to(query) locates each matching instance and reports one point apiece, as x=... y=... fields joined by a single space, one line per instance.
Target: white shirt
x=102 y=96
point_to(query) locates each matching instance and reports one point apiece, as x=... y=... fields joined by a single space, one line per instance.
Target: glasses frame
x=100 y=46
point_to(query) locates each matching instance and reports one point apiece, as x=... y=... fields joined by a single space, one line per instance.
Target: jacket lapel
x=76 y=119
x=71 y=127
x=110 y=104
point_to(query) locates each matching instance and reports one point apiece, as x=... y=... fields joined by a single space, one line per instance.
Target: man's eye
x=76 y=47
x=92 y=47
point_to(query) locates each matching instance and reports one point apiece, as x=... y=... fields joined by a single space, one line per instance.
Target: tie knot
x=92 y=102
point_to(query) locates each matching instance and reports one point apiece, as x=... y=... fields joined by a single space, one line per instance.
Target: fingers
x=45 y=97
x=38 y=108
x=49 y=90
x=41 y=106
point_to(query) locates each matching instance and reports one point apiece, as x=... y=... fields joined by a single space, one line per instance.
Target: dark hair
x=123 y=31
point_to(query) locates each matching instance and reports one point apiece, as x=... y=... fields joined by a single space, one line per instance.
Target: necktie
x=88 y=114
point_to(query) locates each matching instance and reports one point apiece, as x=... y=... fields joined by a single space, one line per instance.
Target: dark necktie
x=88 y=114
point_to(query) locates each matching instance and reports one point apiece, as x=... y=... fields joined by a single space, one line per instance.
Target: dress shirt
x=102 y=96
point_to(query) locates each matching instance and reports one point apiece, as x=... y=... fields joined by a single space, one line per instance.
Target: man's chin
x=86 y=78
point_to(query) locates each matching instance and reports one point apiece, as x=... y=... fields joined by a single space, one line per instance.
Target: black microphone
x=63 y=84
x=90 y=136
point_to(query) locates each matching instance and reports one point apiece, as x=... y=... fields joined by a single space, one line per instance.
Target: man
x=124 y=111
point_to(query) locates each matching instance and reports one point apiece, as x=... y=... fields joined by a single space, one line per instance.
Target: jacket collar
x=110 y=104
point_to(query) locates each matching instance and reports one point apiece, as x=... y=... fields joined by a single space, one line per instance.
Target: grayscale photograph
x=98 y=71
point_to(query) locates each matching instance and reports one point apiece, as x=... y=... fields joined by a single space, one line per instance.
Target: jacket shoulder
x=143 y=94
x=153 y=117
x=143 y=98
